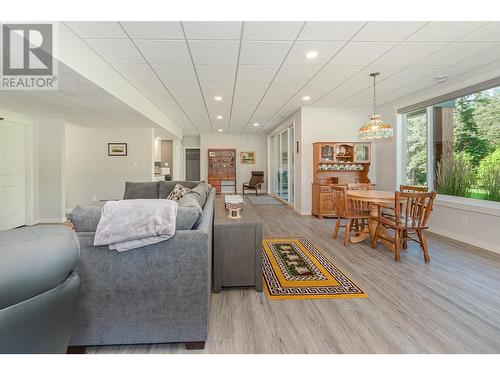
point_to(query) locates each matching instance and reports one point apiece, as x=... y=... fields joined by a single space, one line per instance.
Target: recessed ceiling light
x=441 y=78
x=219 y=117
x=306 y=97
x=220 y=130
x=218 y=98
x=255 y=124
x=311 y=54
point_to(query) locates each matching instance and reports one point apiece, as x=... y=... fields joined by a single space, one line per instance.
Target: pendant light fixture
x=375 y=128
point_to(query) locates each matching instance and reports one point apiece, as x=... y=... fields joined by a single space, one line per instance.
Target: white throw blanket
x=132 y=223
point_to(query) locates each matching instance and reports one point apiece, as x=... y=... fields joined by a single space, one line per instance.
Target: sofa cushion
x=166 y=187
x=34 y=260
x=178 y=192
x=202 y=190
x=141 y=190
x=189 y=213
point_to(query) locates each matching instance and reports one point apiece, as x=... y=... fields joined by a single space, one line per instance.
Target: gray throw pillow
x=141 y=190
x=189 y=213
x=85 y=218
x=202 y=190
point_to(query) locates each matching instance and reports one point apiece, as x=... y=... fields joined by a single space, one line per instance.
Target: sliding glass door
x=281 y=165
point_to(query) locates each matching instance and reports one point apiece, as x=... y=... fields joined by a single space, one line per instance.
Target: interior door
x=12 y=175
x=192 y=164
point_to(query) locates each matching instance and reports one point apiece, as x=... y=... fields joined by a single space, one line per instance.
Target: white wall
x=91 y=172
x=191 y=141
x=321 y=125
x=51 y=166
x=241 y=142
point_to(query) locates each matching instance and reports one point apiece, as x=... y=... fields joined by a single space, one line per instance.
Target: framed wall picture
x=247 y=157
x=117 y=149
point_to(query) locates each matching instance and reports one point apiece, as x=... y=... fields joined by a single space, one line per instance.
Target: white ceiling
x=260 y=69
x=77 y=100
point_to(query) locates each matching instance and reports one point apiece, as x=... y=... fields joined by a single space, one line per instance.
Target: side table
x=237 y=258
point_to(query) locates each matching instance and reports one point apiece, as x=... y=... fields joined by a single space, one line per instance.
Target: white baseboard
x=301 y=212
x=468 y=240
x=52 y=221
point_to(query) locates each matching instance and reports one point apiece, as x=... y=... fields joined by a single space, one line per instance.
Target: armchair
x=255 y=182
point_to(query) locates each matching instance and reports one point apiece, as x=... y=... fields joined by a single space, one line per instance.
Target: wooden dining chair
x=413 y=189
x=345 y=210
x=360 y=186
x=411 y=213
x=360 y=205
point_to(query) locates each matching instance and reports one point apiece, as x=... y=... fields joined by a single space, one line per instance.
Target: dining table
x=376 y=198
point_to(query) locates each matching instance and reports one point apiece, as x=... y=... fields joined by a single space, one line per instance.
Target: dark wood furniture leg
x=76 y=350
x=195 y=345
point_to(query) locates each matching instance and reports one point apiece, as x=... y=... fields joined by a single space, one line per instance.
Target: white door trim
x=29 y=159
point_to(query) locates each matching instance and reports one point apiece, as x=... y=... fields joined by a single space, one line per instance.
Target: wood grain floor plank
x=447 y=306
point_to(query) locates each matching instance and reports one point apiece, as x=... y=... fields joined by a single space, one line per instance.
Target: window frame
x=465 y=203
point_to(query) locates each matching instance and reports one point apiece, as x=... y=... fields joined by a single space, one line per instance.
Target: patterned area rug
x=262 y=199
x=294 y=268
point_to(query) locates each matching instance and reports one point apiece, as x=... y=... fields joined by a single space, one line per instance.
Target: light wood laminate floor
x=451 y=305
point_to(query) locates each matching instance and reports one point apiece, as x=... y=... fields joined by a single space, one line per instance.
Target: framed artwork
x=247 y=157
x=117 y=149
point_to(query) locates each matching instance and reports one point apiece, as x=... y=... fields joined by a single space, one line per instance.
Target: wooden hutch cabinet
x=222 y=169
x=337 y=163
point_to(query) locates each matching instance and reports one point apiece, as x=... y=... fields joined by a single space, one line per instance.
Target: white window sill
x=468 y=204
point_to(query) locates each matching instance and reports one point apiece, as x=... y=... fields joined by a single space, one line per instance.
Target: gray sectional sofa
x=154 y=294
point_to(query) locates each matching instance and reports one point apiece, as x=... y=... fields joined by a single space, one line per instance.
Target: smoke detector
x=441 y=78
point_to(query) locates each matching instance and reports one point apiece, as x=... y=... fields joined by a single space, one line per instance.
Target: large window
x=454 y=146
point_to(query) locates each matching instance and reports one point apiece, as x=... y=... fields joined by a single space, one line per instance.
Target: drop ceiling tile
x=295 y=74
x=257 y=73
x=116 y=51
x=444 y=31
x=212 y=89
x=455 y=53
x=153 y=29
x=403 y=92
x=173 y=73
x=212 y=30
x=486 y=57
x=385 y=71
x=414 y=73
x=173 y=52
x=331 y=76
x=326 y=50
x=387 y=31
x=276 y=30
x=341 y=31
x=454 y=71
x=214 y=52
x=409 y=53
x=137 y=73
x=488 y=33
x=358 y=101
x=386 y=87
x=97 y=29
x=361 y=53
x=185 y=91
x=251 y=88
x=217 y=73
x=264 y=53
